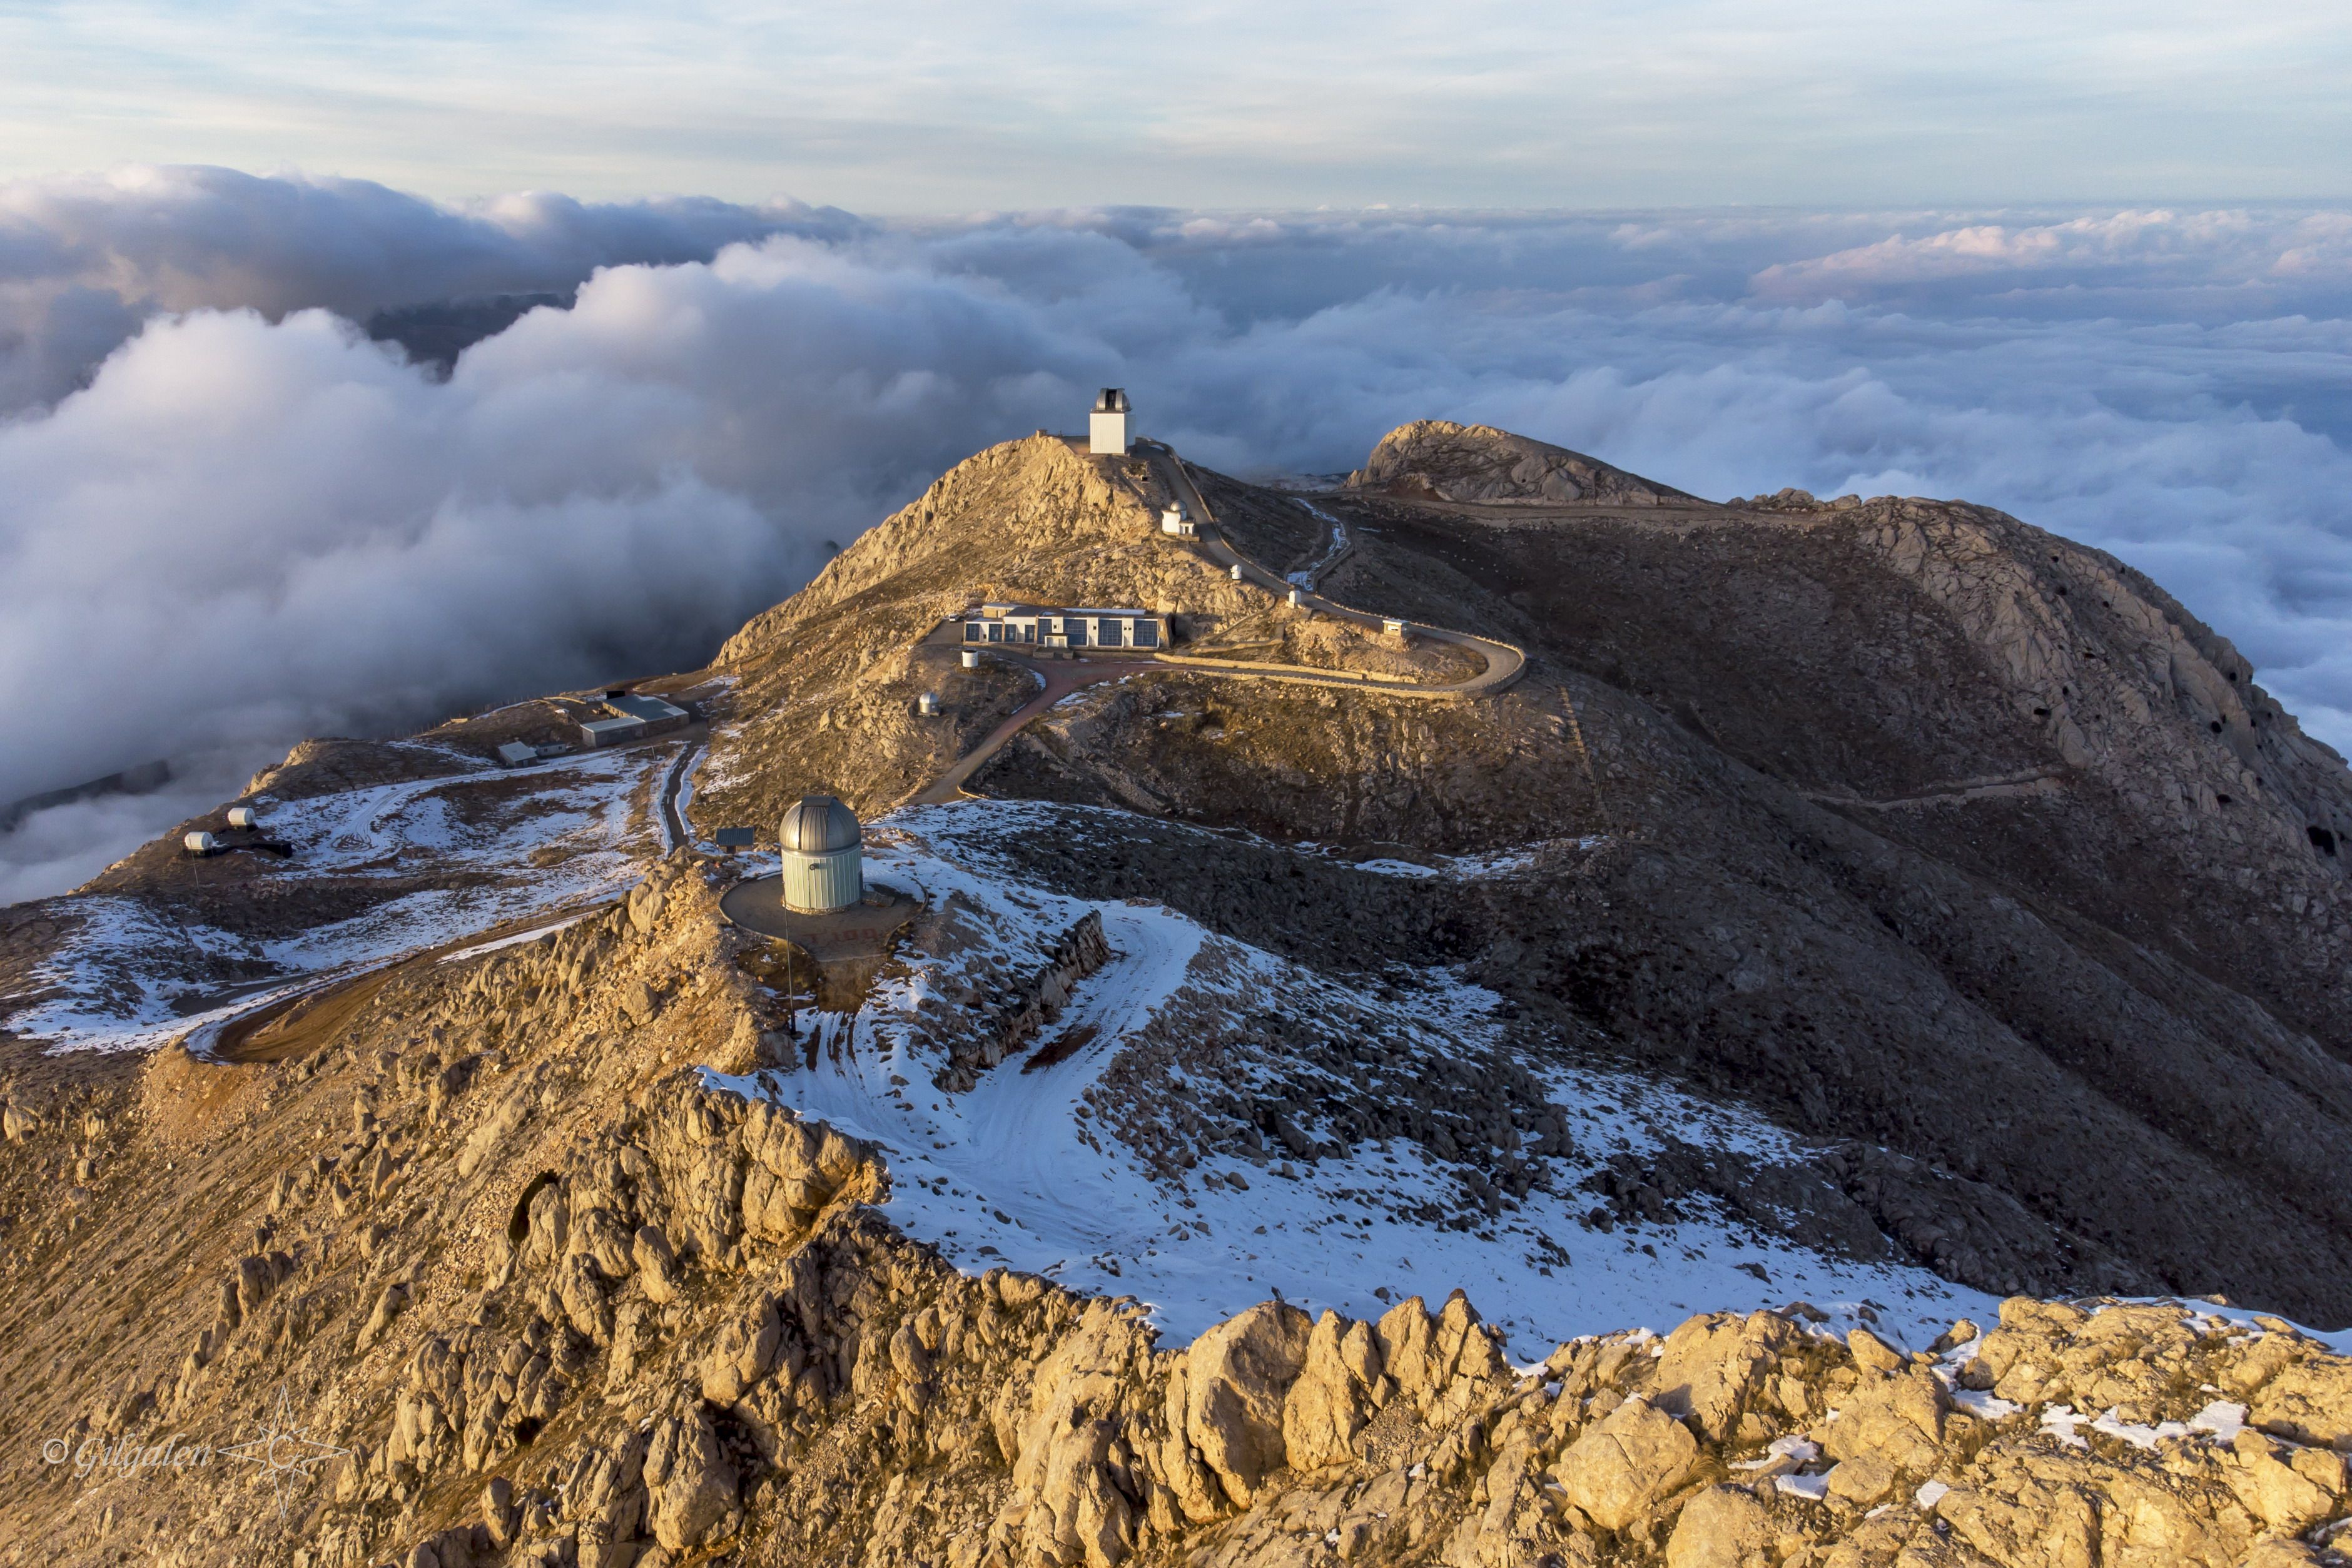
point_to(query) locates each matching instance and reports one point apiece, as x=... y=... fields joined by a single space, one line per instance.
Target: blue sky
x=897 y=108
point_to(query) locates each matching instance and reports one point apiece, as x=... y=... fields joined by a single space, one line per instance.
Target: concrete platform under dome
x=861 y=931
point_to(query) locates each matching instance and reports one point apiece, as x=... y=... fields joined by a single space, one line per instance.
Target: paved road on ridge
x=1504 y=663
x=1061 y=679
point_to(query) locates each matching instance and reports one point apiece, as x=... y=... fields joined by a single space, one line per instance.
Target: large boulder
x=1621 y=1468
x=1060 y=1432
x=1233 y=1383
x=1722 y=1527
x=1898 y=1417
x=1714 y=1364
x=1333 y=1396
x=689 y=1480
x=743 y=1354
x=2289 y=1497
x=1406 y=1337
x=2310 y=1402
x=656 y=1264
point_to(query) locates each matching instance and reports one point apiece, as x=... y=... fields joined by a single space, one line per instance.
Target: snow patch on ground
x=512 y=844
x=692 y=771
x=1331 y=551
x=1021 y=1171
x=517 y=940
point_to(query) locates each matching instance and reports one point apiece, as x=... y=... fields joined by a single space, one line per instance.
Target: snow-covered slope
x=497 y=846
x=1131 y=1163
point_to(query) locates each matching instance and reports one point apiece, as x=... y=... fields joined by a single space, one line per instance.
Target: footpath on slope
x=1992 y=787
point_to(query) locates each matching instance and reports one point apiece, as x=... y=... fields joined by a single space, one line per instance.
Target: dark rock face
x=1892 y=839
x=1033 y=1000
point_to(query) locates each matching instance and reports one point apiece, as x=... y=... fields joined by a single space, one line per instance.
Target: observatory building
x=634 y=715
x=1053 y=628
x=821 y=871
x=1107 y=427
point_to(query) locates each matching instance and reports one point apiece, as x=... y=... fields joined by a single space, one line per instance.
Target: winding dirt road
x=1505 y=664
x=1060 y=680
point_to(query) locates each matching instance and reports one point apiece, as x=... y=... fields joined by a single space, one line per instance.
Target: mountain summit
x=1438 y=460
x=1499 y=1013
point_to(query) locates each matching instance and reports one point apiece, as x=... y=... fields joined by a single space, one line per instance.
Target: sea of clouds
x=229 y=518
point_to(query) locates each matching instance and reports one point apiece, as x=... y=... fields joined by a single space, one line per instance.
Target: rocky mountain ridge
x=1443 y=461
x=562 y=1302
x=1884 y=904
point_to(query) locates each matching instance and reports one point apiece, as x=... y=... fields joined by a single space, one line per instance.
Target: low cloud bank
x=238 y=522
x=85 y=260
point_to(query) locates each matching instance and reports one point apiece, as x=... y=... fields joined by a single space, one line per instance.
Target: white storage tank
x=823 y=871
x=972 y=658
x=200 y=843
x=244 y=816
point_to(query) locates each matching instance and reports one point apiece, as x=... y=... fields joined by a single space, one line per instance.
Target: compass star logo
x=283 y=1450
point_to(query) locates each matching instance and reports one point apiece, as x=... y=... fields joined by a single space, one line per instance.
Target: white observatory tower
x=1107 y=429
x=820 y=839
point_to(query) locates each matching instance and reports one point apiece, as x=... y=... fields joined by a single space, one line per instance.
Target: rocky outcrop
x=1024 y=1006
x=1630 y=1459
x=1435 y=457
x=671 y=1325
x=1714 y=1364
x=1225 y=1403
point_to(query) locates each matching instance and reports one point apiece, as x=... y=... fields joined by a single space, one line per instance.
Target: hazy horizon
x=914 y=107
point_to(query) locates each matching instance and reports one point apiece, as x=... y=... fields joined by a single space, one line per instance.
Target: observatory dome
x=820 y=839
x=819 y=824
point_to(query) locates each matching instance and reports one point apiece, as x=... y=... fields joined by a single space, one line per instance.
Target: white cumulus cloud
x=231 y=520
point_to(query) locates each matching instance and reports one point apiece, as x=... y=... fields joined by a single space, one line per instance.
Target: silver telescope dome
x=817 y=825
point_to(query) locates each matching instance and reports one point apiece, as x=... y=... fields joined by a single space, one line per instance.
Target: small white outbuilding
x=824 y=872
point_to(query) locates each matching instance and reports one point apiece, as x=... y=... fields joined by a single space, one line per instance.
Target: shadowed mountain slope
x=1854 y=911
x=1938 y=832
